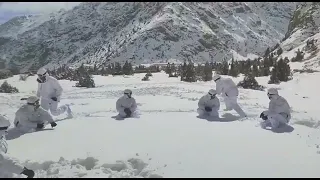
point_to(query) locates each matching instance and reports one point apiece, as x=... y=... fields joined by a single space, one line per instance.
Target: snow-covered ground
x=168 y=139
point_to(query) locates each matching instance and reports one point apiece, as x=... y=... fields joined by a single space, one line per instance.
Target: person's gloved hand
x=53 y=124
x=28 y=172
x=54 y=99
x=208 y=109
x=40 y=125
x=264 y=117
x=39 y=81
x=128 y=112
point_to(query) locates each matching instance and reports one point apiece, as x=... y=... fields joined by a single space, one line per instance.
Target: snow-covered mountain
x=303 y=28
x=145 y=32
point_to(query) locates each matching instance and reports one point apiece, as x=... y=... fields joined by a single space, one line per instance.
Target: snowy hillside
x=144 y=32
x=304 y=27
x=168 y=139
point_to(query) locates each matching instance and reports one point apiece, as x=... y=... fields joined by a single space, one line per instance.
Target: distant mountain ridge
x=145 y=32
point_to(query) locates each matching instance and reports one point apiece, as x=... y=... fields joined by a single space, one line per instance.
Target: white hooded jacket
x=8 y=165
x=125 y=102
x=50 y=88
x=28 y=116
x=206 y=101
x=227 y=87
x=279 y=105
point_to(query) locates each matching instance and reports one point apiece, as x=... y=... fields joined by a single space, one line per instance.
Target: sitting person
x=126 y=105
x=32 y=116
x=209 y=104
x=278 y=113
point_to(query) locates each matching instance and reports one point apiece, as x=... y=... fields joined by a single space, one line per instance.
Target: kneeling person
x=209 y=104
x=279 y=111
x=32 y=116
x=126 y=105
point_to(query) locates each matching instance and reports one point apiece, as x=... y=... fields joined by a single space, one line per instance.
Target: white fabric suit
x=230 y=92
x=8 y=165
x=27 y=117
x=207 y=101
x=278 y=112
x=126 y=102
x=48 y=89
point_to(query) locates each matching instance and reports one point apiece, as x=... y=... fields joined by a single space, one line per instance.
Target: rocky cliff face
x=303 y=34
x=145 y=32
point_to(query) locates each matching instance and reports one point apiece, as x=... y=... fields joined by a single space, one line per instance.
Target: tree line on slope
x=188 y=72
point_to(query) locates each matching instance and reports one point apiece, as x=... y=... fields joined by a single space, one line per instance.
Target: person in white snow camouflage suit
x=126 y=105
x=31 y=116
x=279 y=111
x=50 y=91
x=209 y=104
x=230 y=92
x=8 y=165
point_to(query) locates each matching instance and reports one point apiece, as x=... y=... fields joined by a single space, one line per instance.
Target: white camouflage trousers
x=53 y=106
x=232 y=104
x=275 y=120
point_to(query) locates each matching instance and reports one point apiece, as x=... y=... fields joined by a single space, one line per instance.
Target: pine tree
x=241 y=65
x=267 y=52
x=82 y=69
x=168 y=69
x=109 y=69
x=299 y=57
x=223 y=68
x=255 y=70
x=265 y=70
x=274 y=75
x=7 y=88
x=84 y=78
x=86 y=81
x=190 y=74
x=199 y=70
x=103 y=71
x=247 y=67
x=183 y=71
x=207 y=72
x=95 y=69
x=117 y=69
x=233 y=69
x=213 y=65
x=130 y=69
x=173 y=68
x=249 y=82
x=284 y=69
x=271 y=60
x=127 y=68
x=279 y=51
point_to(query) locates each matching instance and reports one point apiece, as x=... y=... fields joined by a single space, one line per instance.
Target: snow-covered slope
x=168 y=139
x=144 y=32
x=303 y=27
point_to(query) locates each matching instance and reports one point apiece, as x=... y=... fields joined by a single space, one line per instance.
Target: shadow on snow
x=227 y=117
x=15 y=133
x=282 y=129
x=119 y=118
